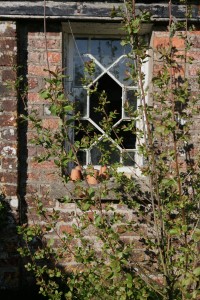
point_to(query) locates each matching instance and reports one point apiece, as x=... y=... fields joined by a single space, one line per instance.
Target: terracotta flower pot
x=78 y=167
x=76 y=174
x=103 y=172
x=92 y=175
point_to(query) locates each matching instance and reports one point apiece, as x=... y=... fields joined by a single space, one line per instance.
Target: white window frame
x=113 y=31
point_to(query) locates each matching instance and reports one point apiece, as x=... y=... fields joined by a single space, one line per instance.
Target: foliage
x=165 y=198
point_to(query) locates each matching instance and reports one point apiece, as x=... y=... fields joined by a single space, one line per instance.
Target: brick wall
x=42 y=53
x=9 y=263
x=160 y=38
x=20 y=175
x=8 y=109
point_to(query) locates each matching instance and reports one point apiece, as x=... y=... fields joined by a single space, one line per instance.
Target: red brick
x=9 y=163
x=35 y=176
x=7 y=149
x=9 y=177
x=37 y=70
x=34 y=97
x=66 y=229
x=31 y=189
x=10 y=189
x=6 y=91
x=51 y=123
x=194 y=70
x=8 y=75
x=7 y=120
x=164 y=42
x=41 y=44
x=41 y=34
x=194 y=54
x=32 y=83
x=9 y=105
x=35 y=57
x=9 y=134
x=8 y=60
x=8 y=45
x=54 y=57
x=43 y=165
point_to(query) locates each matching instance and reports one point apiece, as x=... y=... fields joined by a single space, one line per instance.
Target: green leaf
x=196 y=271
x=86 y=206
x=174 y=231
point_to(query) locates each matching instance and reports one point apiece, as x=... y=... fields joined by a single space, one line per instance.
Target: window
x=110 y=62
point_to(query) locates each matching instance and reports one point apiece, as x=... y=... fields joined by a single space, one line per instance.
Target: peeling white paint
x=14 y=202
x=8 y=151
x=5 y=26
x=12 y=132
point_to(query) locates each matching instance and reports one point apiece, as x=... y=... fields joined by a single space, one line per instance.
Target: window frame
x=112 y=31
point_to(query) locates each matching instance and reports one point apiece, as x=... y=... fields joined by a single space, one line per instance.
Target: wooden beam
x=79 y=10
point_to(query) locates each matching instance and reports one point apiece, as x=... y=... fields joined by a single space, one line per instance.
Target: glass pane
x=79 y=70
x=120 y=71
x=124 y=135
x=104 y=153
x=130 y=104
x=80 y=96
x=113 y=93
x=81 y=46
x=128 y=158
x=106 y=51
x=81 y=155
x=86 y=133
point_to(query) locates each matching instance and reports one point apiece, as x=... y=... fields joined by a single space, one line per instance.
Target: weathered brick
x=54 y=57
x=8 y=45
x=38 y=70
x=33 y=176
x=9 y=105
x=8 y=149
x=42 y=165
x=34 y=97
x=41 y=34
x=66 y=229
x=8 y=75
x=9 y=134
x=51 y=123
x=9 y=163
x=193 y=70
x=6 y=91
x=165 y=41
x=32 y=83
x=8 y=29
x=41 y=44
x=10 y=189
x=8 y=60
x=8 y=120
x=9 y=177
x=35 y=57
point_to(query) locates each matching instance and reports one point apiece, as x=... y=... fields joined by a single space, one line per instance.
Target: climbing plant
x=164 y=199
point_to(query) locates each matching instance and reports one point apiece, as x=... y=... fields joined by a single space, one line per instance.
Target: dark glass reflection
x=104 y=153
x=114 y=97
x=124 y=136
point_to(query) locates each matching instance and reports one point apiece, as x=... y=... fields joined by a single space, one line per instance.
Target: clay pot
x=103 y=172
x=92 y=175
x=76 y=174
x=79 y=168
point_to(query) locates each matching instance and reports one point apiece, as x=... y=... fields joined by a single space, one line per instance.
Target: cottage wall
x=26 y=50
